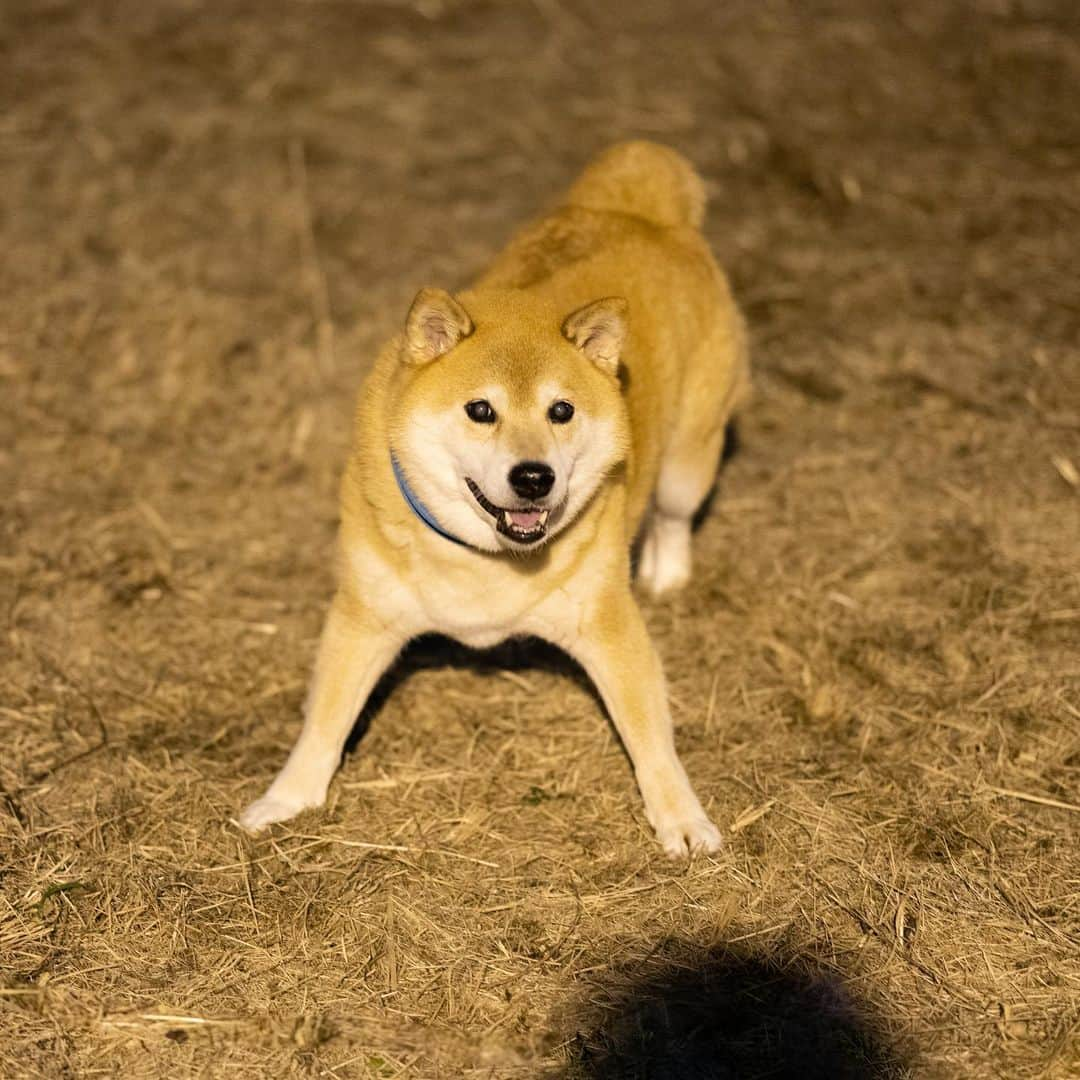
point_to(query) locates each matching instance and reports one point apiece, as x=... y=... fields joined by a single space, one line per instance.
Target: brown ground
x=211 y=216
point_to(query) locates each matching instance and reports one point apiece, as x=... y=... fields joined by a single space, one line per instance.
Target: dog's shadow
x=433 y=651
x=683 y=1012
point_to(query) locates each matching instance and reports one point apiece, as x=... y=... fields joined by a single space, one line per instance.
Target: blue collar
x=417 y=507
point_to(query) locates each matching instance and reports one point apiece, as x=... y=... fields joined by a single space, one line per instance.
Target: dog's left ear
x=599 y=331
x=435 y=324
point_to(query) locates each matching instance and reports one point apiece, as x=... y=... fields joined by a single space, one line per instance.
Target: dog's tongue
x=524 y=519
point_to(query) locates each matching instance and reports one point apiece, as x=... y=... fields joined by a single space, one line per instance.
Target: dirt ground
x=211 y=216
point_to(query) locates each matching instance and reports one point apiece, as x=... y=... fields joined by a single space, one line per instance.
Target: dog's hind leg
x=716 y=382
x=353 y=653
x=684 y=482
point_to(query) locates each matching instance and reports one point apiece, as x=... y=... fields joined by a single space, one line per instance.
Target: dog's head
x=510 y=414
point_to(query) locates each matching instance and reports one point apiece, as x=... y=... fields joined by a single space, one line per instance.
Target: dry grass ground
x=211 y=215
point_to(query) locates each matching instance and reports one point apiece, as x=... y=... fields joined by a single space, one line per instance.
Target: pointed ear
x=599 y=331
x=435 y=324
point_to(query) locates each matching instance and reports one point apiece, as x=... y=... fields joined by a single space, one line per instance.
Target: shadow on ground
x=432 y=651
x=682 y=1013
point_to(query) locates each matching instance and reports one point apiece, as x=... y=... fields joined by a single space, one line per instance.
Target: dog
x=514 y=443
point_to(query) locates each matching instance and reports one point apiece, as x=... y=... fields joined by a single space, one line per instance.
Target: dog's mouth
x=525 y=526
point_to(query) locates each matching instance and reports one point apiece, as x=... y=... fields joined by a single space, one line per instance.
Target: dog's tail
x=644 y=179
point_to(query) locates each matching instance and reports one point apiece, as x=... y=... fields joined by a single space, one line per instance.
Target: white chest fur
x=475 y=599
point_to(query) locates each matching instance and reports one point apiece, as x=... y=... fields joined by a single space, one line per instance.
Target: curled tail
x=644 y=179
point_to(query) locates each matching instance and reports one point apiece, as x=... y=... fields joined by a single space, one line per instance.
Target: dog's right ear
x=435 y=324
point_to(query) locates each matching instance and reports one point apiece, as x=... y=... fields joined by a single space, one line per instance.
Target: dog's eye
x=480 y=412
x=560 y=412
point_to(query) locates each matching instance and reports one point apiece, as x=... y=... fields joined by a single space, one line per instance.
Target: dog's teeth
x=543 y=517
x=506 y=519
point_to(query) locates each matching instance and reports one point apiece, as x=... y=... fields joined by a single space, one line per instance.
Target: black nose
x=532 y=479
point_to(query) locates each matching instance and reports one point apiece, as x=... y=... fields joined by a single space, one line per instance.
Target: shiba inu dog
x=512 y=444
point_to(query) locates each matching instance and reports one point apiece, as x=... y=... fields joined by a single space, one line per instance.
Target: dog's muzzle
x=526 y=525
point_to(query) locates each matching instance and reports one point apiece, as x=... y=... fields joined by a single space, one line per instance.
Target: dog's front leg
x=354 y=651
x=615 y=650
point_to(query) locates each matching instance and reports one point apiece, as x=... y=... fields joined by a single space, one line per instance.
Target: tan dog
x=511 y=445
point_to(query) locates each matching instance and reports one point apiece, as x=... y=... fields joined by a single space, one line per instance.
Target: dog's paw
x=268 y=810
x=669 y=574
x=664 y=559
x=689 y=836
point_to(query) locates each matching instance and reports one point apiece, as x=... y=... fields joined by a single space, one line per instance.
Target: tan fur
x=614 y=303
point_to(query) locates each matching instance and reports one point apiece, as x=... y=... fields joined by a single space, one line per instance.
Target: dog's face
x=510 y=415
